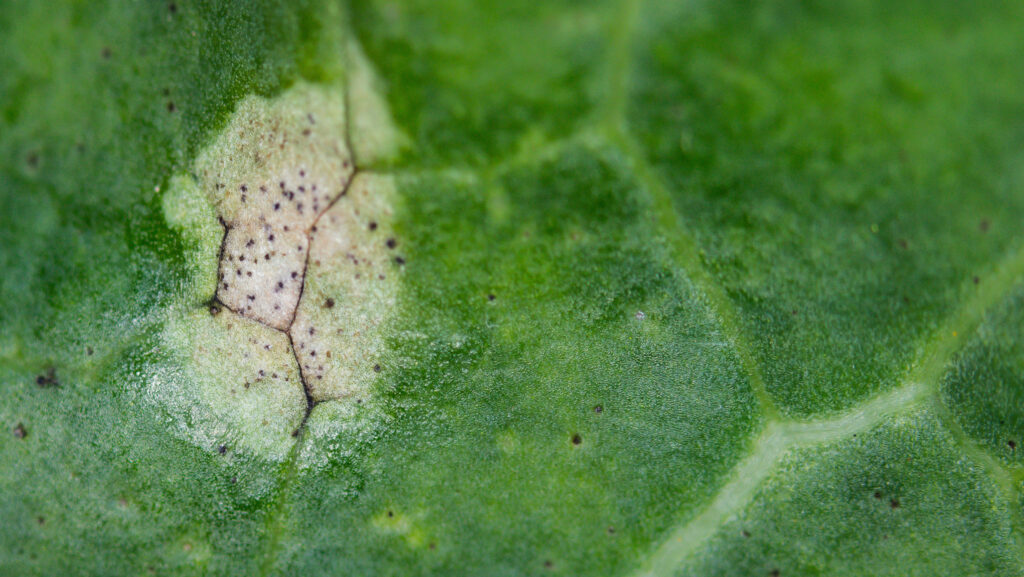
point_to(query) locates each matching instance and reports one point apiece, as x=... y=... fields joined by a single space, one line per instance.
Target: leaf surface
x=617 y=288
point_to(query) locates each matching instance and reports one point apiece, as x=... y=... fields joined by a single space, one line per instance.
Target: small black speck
x=392 y=243
x=302 y=173
x=251 y=297
x=878 y=495
x=376 y=368
x=577 y=439
x=745 y=533
x=270 y=238
x=491 y=297
x=277 y=206
x=172 y=7
x=1012 y=444
x=280 y=285
x=49 y=380
x=222 y=449
x=266 y=256
x=611 y=530
x=548 y=564
x=295 y=274
x=399 y=260
x=775 y=573
x=598 y=409
x=895 y=504
x=329 y=303
x=233 y=480
x=19 y=431
x=373 y=225
x=391 y=514
x=295 y=433
x=105 y=53
x=214 y=310
x=171 y=107
x=88 y=351
x=976 y=280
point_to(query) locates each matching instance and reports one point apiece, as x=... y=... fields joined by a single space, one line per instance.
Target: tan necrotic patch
x=306 y=254
x=351 y=287
x=238 y=385
x=276 y=167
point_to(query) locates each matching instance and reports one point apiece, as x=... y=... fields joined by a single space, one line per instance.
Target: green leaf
x=421 y=287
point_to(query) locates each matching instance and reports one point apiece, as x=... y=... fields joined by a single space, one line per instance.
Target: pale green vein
x=780 y=437
x=277 y=516
x=777 y=439
x=612 y=112
x=1001 y=477
x=687 y=257
x=945 y=343
x=960 y=326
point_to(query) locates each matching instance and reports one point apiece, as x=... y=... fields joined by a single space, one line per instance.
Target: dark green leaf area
x=92 y=472
x=466 y=96
x=847 y=169
x=898 y=500
x=985 y=385
x=564 y=423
